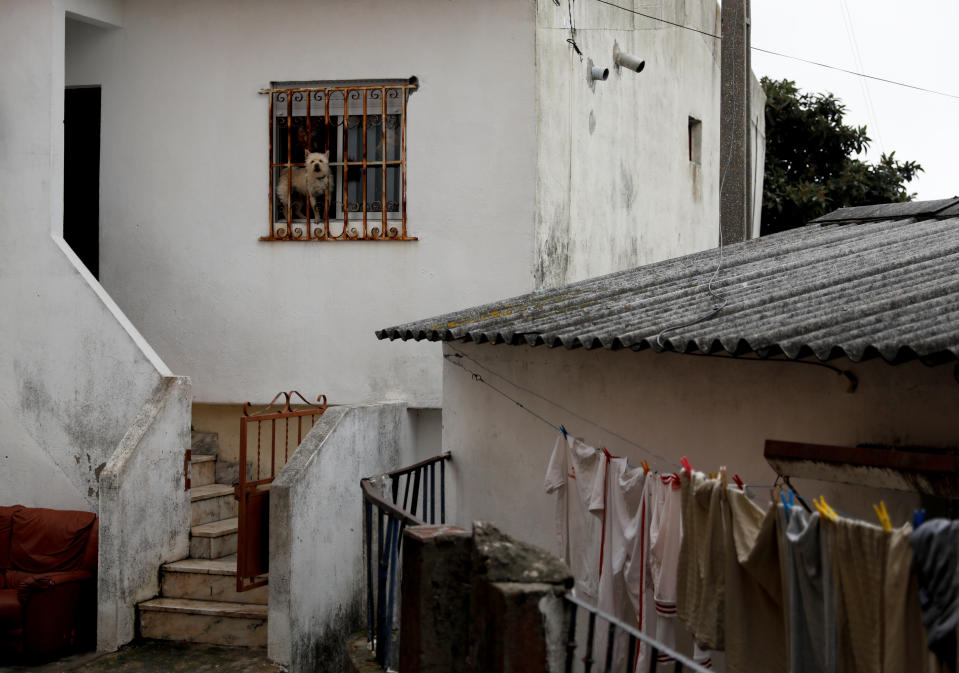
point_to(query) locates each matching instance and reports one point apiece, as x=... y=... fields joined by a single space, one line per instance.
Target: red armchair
x=48 y=581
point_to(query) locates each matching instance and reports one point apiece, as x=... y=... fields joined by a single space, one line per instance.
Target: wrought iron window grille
x=361 y=126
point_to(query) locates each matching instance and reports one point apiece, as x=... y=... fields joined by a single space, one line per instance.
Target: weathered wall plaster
x=184 y=187
x=615 y=186
x=316 y=532
x=144 y=510
x=74 y=371
x=715 y=411
x=75 y=375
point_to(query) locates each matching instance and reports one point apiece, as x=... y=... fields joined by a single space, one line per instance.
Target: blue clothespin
x=562 y=429
x=787 y=504
x=918 y=516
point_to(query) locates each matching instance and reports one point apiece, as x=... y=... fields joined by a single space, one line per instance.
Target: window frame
x=338 y=99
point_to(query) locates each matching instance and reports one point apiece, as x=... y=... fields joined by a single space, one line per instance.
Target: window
x=338 y=160
x=695 y=141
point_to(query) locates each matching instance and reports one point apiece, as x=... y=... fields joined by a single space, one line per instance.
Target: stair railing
x=424 y=497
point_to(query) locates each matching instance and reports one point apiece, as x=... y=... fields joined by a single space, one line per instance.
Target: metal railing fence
x=659 y=657
x=419 y=485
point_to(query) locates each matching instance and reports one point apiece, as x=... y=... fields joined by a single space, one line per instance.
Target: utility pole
x=735 y=196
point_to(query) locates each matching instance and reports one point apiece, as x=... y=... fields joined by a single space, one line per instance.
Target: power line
x=656 y=18
x=853 y=72
x=780 y=54
x=857 y=55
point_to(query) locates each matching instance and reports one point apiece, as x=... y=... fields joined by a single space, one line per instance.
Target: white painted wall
x=73 y=371
x=184 y=186
x=317 y=575
x=144 y=510
x=615 y=186
x=75 y=374
x=715 y=411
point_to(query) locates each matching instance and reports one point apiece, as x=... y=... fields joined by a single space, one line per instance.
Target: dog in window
x=311 y=180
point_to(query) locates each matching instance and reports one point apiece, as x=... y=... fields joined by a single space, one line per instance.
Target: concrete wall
x=184 y=186
x=75 y=375
x=615 y=185
x=144 y=510
x=73 y=371
x=317 y=576
x=715 y=411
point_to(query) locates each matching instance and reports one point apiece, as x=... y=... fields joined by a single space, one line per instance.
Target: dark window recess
x=81 y=174
x=695 y=141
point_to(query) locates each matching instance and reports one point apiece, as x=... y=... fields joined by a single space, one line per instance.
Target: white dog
x=312 y=180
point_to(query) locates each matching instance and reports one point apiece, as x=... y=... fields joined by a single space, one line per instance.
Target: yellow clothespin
x=825 y=510
x=883 y=515
x=645 y=466
x=712 y=475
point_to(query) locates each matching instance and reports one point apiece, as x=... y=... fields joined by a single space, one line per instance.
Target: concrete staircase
x=198 y=599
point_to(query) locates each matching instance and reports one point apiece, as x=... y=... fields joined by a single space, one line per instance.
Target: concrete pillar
x=516 y=610
x=434 y=621
x=735 y=185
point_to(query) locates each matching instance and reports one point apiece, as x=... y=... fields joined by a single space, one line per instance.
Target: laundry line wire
x=559 y=428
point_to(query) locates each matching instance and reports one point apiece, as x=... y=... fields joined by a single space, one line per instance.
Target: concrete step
x=207 y=579
x=215 y=539
x=202 y=470
x=214 y=622
x=212 y=503
x=204 y=443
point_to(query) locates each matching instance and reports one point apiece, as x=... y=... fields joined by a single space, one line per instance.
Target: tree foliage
x=811 y=167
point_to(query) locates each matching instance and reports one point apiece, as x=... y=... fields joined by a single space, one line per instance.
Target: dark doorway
x=81 y=175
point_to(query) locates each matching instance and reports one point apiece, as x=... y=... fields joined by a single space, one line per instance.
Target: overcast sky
x=912 y=42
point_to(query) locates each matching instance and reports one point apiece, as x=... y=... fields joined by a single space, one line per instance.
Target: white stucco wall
x=75 y=375
x=317 y=574
x=615 y=184
x=73 y=371
x=716 y=412
x=184 y=186
x=144 y=510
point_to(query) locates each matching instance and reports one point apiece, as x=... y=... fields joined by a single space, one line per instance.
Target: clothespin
x=825 y=510
x=686 y=465
x=739 y=482
x=883 y=515
x=562 y=429
x=645 y=466
x=918 y=517
x=787 y=504
x=711 y=475
x=722 y=478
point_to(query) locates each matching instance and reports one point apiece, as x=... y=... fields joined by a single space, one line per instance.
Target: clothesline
x=452 y=359
x=556 y=426
x=759 y=590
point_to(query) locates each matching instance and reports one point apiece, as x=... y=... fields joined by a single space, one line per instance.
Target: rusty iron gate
x=272 y=428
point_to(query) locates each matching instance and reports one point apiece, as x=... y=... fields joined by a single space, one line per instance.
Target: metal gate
x=272 y=427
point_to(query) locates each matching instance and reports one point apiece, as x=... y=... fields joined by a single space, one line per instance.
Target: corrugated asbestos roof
x=886 y=211
x=887 y=287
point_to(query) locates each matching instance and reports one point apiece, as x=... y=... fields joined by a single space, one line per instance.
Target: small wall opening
x=695 y=141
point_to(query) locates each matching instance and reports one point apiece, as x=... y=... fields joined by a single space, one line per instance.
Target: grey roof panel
x=888 y=210
x=951 y=211
x=888 y=288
